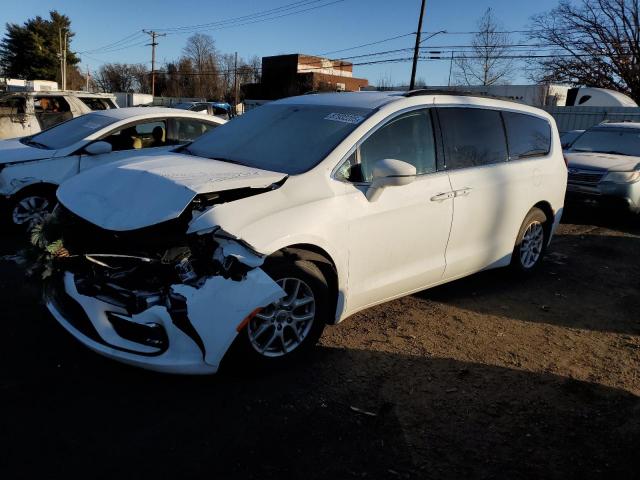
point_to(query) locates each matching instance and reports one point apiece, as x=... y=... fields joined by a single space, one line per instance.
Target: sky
x=335 y=26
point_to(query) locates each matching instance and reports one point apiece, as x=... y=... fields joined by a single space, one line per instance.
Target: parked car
x=604 y=165
x=567 y=138
x=219 y=109
x=27 y=113
x=296 y=215
x=31 y=168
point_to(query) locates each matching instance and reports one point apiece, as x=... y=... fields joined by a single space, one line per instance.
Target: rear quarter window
x=528 y=136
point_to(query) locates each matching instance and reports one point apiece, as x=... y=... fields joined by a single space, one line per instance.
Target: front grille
x=585 y=176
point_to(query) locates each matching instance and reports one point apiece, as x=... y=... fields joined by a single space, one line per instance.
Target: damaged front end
x=157 y=298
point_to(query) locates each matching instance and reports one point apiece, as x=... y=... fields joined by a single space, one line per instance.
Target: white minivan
x=247 y=242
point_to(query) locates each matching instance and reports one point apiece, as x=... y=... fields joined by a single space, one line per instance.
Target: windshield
x=623 y=141
x=69 y=132
x=281 y=137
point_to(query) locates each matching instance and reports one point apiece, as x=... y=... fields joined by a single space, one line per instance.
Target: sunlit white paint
x=402 y=242
x=160 y=187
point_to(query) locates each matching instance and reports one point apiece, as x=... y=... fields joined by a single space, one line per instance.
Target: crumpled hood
x=602 y=161
x=138 y=193
x=12 y=151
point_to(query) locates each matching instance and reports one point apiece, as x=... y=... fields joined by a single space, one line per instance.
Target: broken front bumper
x=186 y=329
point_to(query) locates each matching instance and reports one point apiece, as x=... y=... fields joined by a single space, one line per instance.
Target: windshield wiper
x=33 y=143
x=184 y=149
x=228 y=160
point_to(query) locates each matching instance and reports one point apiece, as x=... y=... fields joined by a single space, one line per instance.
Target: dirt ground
x=487 y=377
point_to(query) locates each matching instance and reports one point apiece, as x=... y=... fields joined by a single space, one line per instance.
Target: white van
x=298 y=214
x=27 y=113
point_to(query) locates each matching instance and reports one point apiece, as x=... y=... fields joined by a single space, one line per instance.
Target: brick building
x=296 y=74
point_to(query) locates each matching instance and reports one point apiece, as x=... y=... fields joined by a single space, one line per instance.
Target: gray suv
x=604 y=165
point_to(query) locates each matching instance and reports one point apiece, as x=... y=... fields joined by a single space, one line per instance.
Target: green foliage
x=31 y=50
x=42 y=258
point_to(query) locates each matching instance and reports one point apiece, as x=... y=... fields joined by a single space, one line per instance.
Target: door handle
x=463 y=192
x=441 y=197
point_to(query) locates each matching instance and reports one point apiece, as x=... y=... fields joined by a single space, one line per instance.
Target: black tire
x=41 y=198
x=534 y=218
x=244 y=353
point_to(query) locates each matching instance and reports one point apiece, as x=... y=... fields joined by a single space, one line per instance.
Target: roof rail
x=459 y=93
x=437 y=91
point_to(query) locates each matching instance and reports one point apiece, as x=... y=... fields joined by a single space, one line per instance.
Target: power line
x=225 y=25
x=133 y=39
x=251 y=16
x=114 y=44
x=368 y=44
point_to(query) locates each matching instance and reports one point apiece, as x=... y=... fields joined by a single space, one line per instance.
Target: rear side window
x=95 y=103
x=472 y=137
x=189 y=129
x=528 y=136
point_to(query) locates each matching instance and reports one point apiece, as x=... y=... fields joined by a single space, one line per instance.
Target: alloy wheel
x=30 y=209
x=281 y=327
x=532 y=245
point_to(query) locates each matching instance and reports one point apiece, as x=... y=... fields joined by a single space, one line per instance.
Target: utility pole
x=153 y=45
x=88 y=76
x=235 y=82
x=64 y=63
x=416 y=51
x=60 y=57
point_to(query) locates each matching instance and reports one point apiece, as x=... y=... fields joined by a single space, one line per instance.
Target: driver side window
x=408 y=137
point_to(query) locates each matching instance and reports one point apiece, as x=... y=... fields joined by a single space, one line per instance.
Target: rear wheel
x=290 y=327
x=531 y=243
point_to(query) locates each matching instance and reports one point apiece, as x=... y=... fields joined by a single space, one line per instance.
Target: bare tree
x=201 y=51
x=255 y=63
x=384 y=82
x=116 y=77
x=142 y=76
x=488 y=62
x=597 y=44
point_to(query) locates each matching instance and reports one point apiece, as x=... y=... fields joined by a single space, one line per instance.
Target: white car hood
x=12 y=151
x=138 y=193
x=602 y=161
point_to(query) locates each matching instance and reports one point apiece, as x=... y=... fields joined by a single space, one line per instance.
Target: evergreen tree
x=31 y=51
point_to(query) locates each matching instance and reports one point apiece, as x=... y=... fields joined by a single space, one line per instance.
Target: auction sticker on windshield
x=344 y=118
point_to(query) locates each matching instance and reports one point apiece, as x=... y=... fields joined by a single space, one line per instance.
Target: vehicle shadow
x=587 y=281
x=580 y=213
x=67 y=411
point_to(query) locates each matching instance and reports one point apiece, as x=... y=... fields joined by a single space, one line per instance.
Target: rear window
x=472 y=137
x=96 y=103
x=528 y=136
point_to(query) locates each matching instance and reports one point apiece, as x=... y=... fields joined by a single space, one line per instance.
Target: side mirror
x=389 y=173
x=98 y=148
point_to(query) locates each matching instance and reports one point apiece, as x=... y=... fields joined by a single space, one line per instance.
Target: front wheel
x=531 y=243
x=30 y=208
x=286 y=329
